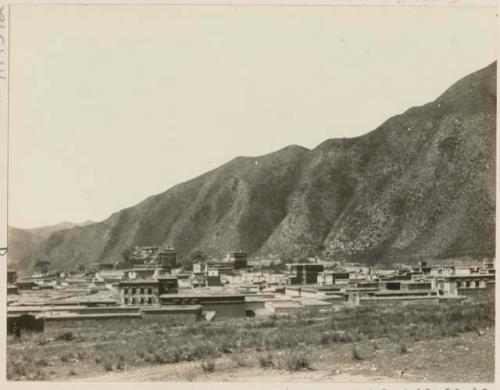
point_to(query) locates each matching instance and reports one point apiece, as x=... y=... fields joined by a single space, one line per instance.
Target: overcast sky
x=110 y=105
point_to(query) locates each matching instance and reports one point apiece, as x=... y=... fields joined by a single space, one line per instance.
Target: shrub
x=208 y=365
x=42 y=362
x=355 y=353
x=402 y=348
x=108 y=365
x=66 y=357
x=241 y=360
x=190 y=375
x=265 y=360
x=296 y=361
x=66 y=336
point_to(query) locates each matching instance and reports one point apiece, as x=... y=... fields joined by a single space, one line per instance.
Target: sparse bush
x=324 y=339
x=190 y=375
x=241 y=360
x=66 y=336
x=208 y=365
x=82 y=355
x=295 y=361
x=265 y=360
x=402 y=348
x=43 y=341
x=66 y=357
x=355 y=353
x=108 y=365
x=42 y=362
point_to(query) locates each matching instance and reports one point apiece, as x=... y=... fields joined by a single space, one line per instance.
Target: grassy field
x=452 y=343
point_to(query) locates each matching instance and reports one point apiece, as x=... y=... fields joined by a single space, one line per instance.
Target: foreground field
x=424 y=344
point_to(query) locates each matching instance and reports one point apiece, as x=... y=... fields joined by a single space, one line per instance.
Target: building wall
x=138 y=295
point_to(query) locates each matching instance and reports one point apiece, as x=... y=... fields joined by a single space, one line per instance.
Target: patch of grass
x=266 y=336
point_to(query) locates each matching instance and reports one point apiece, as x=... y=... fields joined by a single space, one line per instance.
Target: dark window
x=142 y=300
x=125 y=290
x=126 y=301
x=467 y=284
x=150 y=301
x=477 y=283
x=142 y=291
x=150 y=291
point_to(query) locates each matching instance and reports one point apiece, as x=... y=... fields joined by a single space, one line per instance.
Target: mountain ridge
x=422 y=184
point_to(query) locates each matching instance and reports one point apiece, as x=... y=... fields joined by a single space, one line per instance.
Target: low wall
x=398 y=301
x=91 y=321
x=183 y=314
x=226 y=309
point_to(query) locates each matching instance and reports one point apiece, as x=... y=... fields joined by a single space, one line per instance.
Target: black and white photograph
x=249 y=193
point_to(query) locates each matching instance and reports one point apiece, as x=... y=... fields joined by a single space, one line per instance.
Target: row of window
x=472 y=283
x=142 y=291
x=142 y=301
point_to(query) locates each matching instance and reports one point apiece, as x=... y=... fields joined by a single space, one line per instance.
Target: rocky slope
x=422 y=185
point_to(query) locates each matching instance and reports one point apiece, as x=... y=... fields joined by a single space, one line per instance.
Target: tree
x=194 y=257
x=198 y=256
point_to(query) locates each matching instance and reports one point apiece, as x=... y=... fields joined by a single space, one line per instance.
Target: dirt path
x=191 y=372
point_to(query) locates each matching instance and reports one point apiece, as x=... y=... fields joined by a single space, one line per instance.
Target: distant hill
x=422 y=185
x=23 y=243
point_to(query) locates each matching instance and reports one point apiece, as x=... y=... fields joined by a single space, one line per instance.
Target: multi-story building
x=138 y=292
x=239 y=259
x=304 y=273
x=167 y=258
x=145 y=291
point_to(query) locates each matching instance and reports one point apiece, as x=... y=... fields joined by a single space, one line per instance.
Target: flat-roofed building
x=470 y=285
x=304 y=273
x=224 y=305
x=416 y=285
x=239 y=259
x=168 y=285
x=442 y=270
x=328 y=278
x=167 y=258
x=138 y=292
x=11 y=277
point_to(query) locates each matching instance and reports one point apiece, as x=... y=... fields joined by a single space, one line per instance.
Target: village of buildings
x=150 y=283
